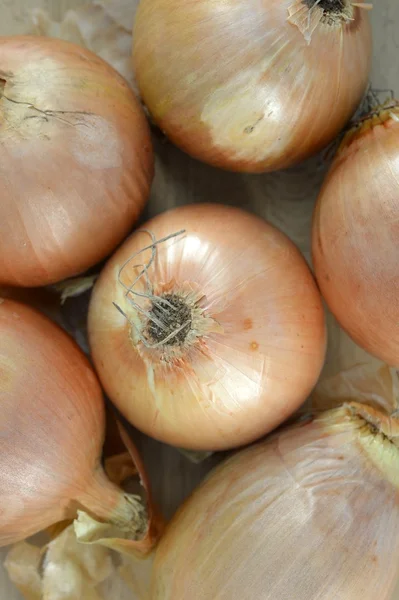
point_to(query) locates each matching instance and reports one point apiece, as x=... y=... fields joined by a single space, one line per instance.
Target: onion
x=251 y=85
x=312 y=513
x=356 y=234
x=75 y=160
x=51 y=432
x=208 y=339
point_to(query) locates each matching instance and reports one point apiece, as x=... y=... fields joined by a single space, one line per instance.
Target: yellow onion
x=75 y=160
x=356 y=234
x=251 y=85
x=207 y=339
x=311 y=513
x=51 y=432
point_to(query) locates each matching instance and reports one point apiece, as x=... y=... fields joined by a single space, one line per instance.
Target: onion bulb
x=51 y=432
x=207 y=339
x=250 y=85
x=311 y=513
x=356 y=234
x=75 y=160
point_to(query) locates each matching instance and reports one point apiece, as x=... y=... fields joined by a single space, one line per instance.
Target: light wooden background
x=284 y=198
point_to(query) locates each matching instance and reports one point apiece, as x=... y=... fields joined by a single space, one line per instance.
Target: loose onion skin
x=255 y=345
x=75 y=160
x=312 y=513
x=51 y=430
x=237 y=84
x=356 y=235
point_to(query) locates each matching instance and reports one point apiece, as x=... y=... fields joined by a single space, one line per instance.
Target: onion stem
x=107 y=502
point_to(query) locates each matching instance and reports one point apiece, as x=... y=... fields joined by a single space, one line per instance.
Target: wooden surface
x=285 y=198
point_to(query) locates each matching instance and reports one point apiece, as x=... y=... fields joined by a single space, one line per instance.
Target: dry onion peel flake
x=103 y=28
x=71 y=288
x=372 y=383
x=63 y=570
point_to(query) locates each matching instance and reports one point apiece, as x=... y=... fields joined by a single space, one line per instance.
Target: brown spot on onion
x=248 y=324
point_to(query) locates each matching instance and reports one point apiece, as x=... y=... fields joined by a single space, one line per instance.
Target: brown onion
x=356 y=234
x=251 y=85
x=311 y=513
x=207 y=340
x=51 y=431
x=75 y=160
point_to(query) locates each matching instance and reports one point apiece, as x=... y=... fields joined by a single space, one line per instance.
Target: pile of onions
x=210 y=337
x=310 y=513
x=75 y=160
x=251 y=85
x=51 y=431
x=356 y=234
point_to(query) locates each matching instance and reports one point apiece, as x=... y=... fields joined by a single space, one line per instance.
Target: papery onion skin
x=262 y=348
x=235 y=83
x=76 y=160
x=51 y=428
x=312 y=513
x=356 y=235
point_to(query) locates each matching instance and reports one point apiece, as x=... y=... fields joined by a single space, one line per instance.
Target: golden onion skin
x=264 y=344
x=356 y=235
x=51 y=430
x=239 y=85
x=52 y=425
x=76 y=160
x=311 y=513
